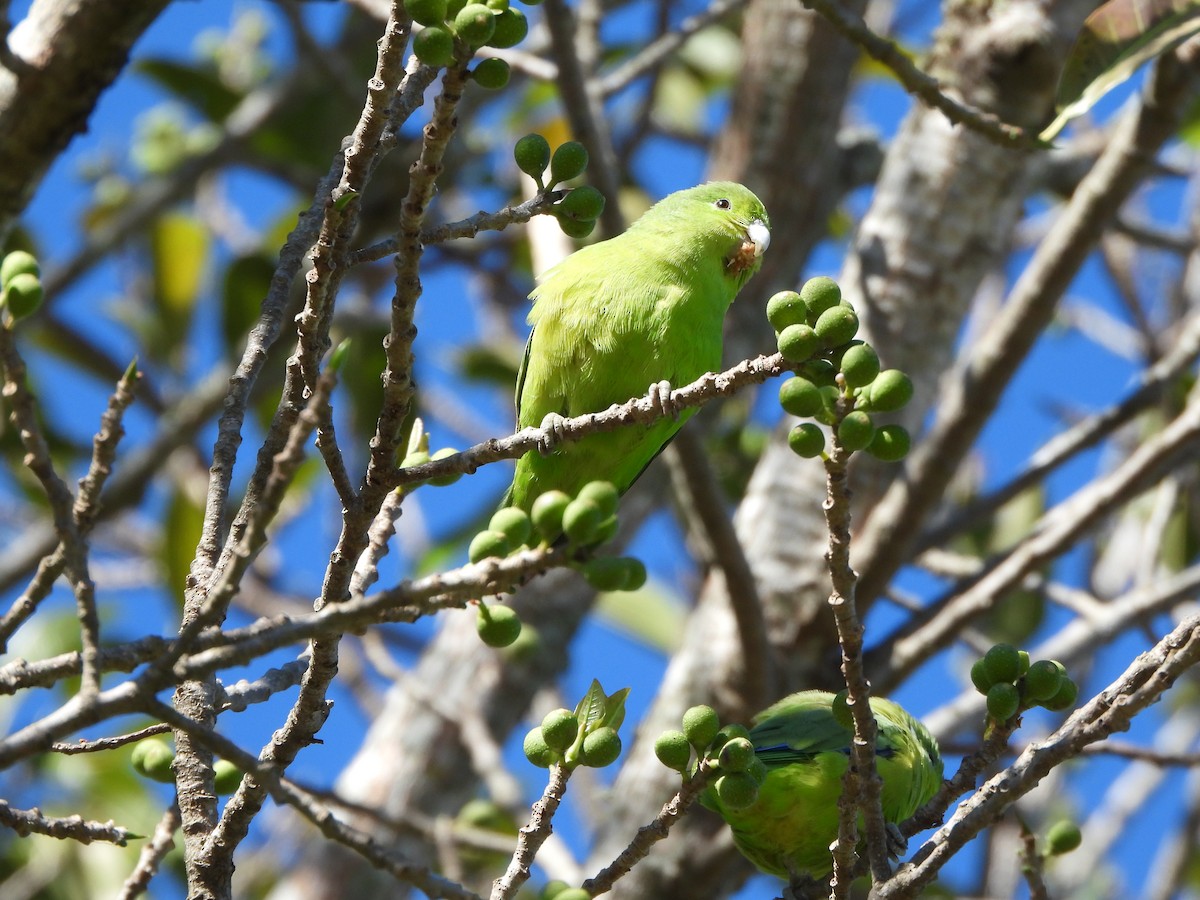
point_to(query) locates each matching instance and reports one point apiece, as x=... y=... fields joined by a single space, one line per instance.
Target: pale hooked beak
x=759 y=235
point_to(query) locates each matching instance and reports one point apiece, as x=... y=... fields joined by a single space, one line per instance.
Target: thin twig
x=649 y=835
x=112 y=743
x=160 y=844
x=532 y=835
x=73 y=828
x=1112 y=710
x=465 y=228
x=917 y=82
x=861 y=785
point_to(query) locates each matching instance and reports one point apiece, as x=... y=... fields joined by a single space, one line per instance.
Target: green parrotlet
x=806 y=749
x=638 y=312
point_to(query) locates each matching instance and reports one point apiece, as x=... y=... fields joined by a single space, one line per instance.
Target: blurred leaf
x=1114 y=42
x=715 y=52
x=198 y=86
x=181 y=534
x=649 y=615
x=178 y=254
x=247 y=280
x=490 y=363
x=1014 y=618
x=680 y=101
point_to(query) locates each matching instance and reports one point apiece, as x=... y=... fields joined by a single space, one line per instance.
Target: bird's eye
x=722 y=204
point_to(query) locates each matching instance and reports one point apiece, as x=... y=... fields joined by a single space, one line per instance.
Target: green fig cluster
x=586 y=736
x=451 y=24
x=1013 y=684
x=726 y=750
x=578 y=211
x=815 y=327
x=21 y=290
x=567 y=162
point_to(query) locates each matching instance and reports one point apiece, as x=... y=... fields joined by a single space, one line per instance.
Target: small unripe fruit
x=635 y=574
x=860 y=365
x=23 y=295
x=798 y=343
x=152 y=758
x=820 y=372
x=226 y=776
x=497 y=626
x=1003 y=701
x=820 y=293
x=1042 y=681
x=890 y=444
x=856 y=430
x=737 y=790
x=728 y=732
x=560 y=727
x=836 y=326
x=1063 y=837
x=17 y=263
x=736 y=755
x=583 y=204
x=553 y=890
x=434 y=46
x=606 y=573
x=581 y=520
x=606 y=532
x=491 y=74
x=673 y=750
x=497 y=5
x=980 y=677
x=601 y=747
x=511 y=28
x=547 y=514
x=445 y=480
x=602 y=493
x=475 y=24
x=575 y=228
x=1024 y=655
x=786 y=308
x=513 y=523
x=701 y=724
x=799 y=397
x=890 y=390
x=573 y=893
x=426 y=12
x=537 y=751
x=1003 y=663
x=487 y=544
x=532 y=154
x=1064 y=697
x=569 y=161
x=807 y=440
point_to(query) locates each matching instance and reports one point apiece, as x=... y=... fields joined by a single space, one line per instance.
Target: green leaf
x=178 y=255
x=1114 y=42
x=591 y=708
x=199 y=87
x=181 y=534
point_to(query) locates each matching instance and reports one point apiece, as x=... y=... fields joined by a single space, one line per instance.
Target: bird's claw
x=897 y=843
x=660 y=396
x=555 y=430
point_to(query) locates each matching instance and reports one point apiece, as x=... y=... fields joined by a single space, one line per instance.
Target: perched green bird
x=639 y=311
x=806 y=750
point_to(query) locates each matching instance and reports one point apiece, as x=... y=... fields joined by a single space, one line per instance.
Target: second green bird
x=806 y=749
x=617 y=317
